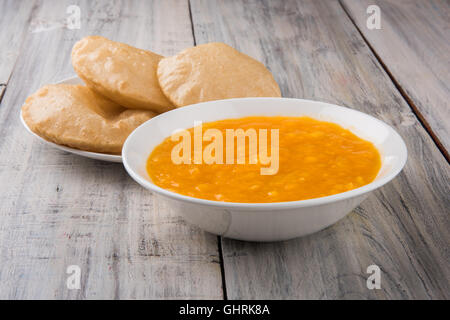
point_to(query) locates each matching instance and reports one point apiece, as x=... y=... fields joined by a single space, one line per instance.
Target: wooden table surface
x=58 y=209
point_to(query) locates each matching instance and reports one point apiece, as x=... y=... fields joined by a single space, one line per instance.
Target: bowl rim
x=403 y=154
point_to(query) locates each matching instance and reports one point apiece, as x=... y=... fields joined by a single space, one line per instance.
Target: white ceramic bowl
x=264 y=221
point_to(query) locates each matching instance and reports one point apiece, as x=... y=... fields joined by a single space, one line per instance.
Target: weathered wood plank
x=58 y=209
x=414 y=44
x=315 y=52
x=13 y=25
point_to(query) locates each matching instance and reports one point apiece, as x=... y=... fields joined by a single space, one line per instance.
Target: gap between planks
x=3 y=85
x=400 y=89
x=2 y=91
x=219 y=238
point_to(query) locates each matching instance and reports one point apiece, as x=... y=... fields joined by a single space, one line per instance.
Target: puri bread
x=214 y=71
x=122 y=73
x=78 y=117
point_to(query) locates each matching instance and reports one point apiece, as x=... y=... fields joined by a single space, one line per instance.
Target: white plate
x=87 y=154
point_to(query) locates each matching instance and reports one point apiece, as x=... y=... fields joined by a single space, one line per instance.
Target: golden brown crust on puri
x=124 y=74
x=78 y=117
x=214 y=71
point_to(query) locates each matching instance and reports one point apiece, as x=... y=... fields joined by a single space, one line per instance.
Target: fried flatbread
x=122 y=73
x=78 y=117
x=214 y=71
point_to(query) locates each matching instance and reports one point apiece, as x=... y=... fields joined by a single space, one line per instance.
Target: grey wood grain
x=14 y=23
x=58 y=209
x=315 y=52
x=414 y=44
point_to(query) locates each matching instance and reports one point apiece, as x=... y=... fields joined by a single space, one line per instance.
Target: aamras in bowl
x=262 y=159
x=329 y=159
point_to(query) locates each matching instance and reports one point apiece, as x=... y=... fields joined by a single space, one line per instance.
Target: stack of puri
x=126 y=86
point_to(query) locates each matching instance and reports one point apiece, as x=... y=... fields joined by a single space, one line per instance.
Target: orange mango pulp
x=316 y=159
